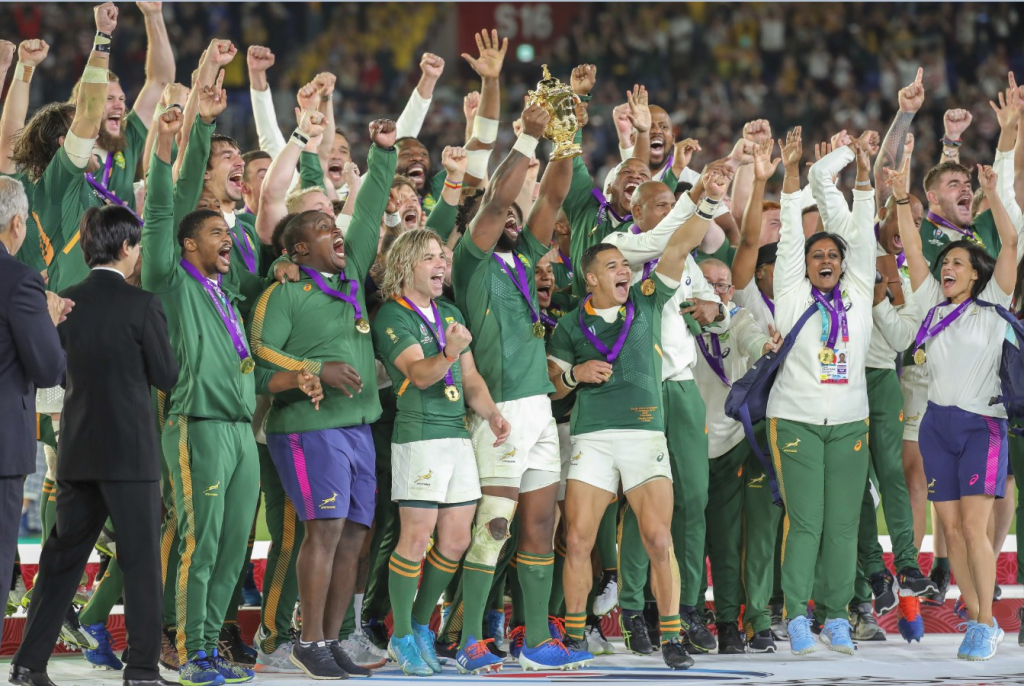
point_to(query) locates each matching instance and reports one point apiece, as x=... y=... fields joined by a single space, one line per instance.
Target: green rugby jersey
x=126 y=162
x=36 y=251
x=297 y=326
x=441 y=219
x=428 y=414
x=561 y=302
x=561 y=269
x=510 y=358
x=62 y=196
x=631 y=398
x=211 y=384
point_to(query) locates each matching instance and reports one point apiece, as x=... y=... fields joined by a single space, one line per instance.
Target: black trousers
x=12 y=489
x=82 y=508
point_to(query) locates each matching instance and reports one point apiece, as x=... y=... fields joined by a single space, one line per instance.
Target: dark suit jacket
x=30 y=358
x=117 y=346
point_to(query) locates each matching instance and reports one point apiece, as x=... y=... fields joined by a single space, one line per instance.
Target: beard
x=506 y=244
x=111 y=143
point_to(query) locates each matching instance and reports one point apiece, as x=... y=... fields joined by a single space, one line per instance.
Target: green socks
x=575 y=625
x=671 y=627
x=437 y=572
x=476 y=587
x=403 y=577
x=534 y=573
x=557 y=589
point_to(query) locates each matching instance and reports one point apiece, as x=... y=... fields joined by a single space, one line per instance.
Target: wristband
x=485 y=130
x=101 y=43
x=79 y=150
x=904 y=201
x=569 y=379
x=449 y=359
x=950 y=143
x=23 y=72
x=476 y=163
x=526 y=145
x=454 y=185
x=298 y=138
x=863 y=184
x=392 y=220
x=951 y=153
x=95 y=75
x=325 y=98
x=707 y=208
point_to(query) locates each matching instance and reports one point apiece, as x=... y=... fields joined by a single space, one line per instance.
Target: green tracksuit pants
x=725 y=530
x=761 y=518
x=170 y=547
x=816 y=466
x=386 y=523
x=214 y=469
x=280 y=583
x=687 y=439
x=885 y=401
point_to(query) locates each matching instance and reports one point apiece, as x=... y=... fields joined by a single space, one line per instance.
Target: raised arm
x=757 y=132
x=259 y=59
x=92 y=95
x=217 y=56
x=910 y=98
x=174 y=94
x=485 y=124
x=639 y=114
x=363 y=234
x=789 y=264
x=324 y=83
x=554 y=187
x=1008 y=112
x=744 y=262
x=415 y=112
x=910 y=235
x=6 y=57
x=688 y=236
x=159 y=233
x=194 y=157
x=508 y=178
x=282 y=169
x=1005 y=273
x=30 y=54
x=954 y=123
x=159 y=61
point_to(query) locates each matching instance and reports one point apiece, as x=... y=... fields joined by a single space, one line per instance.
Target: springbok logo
x=210 y=491
x=791 y=447
x=510 y=456
x=576 y=458
x=424 y=479
x=328 y=503
x=758 y=482
x=931 y=486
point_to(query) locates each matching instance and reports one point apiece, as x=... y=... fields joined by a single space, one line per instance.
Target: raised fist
x=583 y=79
x=259 y=58
x=383 y=133
x=106 y=17
x=32 y=52
x=535 y=119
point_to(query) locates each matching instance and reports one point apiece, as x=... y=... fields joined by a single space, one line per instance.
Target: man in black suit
x=108 y=460
x=30 y=357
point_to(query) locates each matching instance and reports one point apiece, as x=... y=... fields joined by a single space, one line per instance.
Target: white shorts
x=532 y=446
x=914 y=382
x=565 y=453
x=442 y=470
x=602 y=458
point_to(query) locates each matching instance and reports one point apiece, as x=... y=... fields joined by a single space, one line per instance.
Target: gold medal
x=452 y=393
x=362 y=326
x=919 y=356
x=827 y=356
x=647 y=287
x=247 y=365
x=538 y=329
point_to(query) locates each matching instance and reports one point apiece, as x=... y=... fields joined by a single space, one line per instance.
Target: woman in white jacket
x=818 y=407
x=963 y=435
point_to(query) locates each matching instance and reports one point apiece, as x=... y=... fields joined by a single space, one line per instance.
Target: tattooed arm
x=911 y=98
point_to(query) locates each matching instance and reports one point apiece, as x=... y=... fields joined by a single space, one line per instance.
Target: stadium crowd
x=734 y=309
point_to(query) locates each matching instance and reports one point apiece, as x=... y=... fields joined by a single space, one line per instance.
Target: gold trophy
x=560 y=102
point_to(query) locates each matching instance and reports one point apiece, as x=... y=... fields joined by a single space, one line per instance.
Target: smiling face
x=952 y=196
x=824 y=265
x=112 y=134
x=322 y=246
x=211 y=246
x=608 y=278
x=957 y=275
x=889 y=227
x=509 y=237
x=631 y=174
x=720 y=278
x=652 y=202
x=428 y=272
x=663 y=139
x=208 y=201
x=414 y=162
x=252 y=181
x=340 y=155
x=409 y=209
x=224 y=173
x=544 y=277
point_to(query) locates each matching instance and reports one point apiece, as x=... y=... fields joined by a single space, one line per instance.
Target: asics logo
x=974 y=479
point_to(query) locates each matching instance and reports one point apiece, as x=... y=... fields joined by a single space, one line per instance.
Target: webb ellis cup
x=560 y=102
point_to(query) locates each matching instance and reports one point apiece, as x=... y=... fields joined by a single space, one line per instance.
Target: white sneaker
x=365 y=645
x=597 y=644
x=277 y=662
x=362 y=652
x=608 y=598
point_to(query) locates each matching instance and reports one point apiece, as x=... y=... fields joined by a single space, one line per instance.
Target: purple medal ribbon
x=648 y=266
x=322 y=285
x=667 y=167
x=248 y=255
x=714 y=357
x=101 y=188
x=519 y=279
x=607 y=207
x=836 y=317
x=228 y=317
x=946 y=224
x=927 y=331
x=613 y=353
x=548 y=319
x=768 y=302
x=565 y=260
x=436 y=329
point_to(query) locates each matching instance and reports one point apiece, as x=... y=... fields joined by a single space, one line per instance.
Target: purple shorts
x=328 y=474
x=964 y=453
